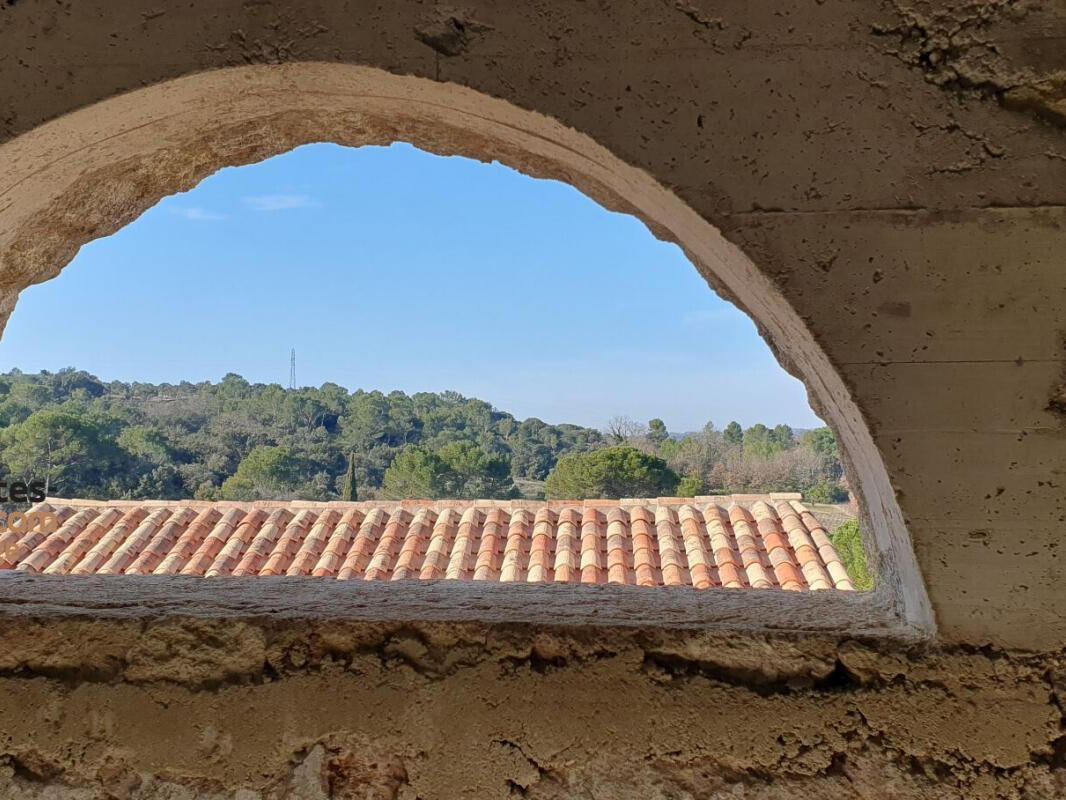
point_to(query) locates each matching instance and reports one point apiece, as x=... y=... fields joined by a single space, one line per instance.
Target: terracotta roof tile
x=740 y=542
x=748 y=543
x=568 y=547
x=441 y=540
x=541 y=567
x=188 y=542
x=593 y=543
x=363 y=545
x=87 y=536
x=388 y=546
x=156 y=523
x=803 y=546
x=17 y=545
x=517 y=551
x=252 y=539
x=305 y=526
x=338 y=544
x=671 y=561
x=696 y=540
x=305 y=551
x=10 y=537
x=211 y=545
x=165 y=539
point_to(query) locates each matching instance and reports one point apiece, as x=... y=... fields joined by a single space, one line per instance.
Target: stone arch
x=88 y=173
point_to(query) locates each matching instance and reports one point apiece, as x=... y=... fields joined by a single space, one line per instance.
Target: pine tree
x=348 y=490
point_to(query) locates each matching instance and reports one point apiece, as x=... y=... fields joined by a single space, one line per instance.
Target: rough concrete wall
x=903 y=162
x=200 y=709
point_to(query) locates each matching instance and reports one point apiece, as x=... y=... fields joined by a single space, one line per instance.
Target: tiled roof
x=740 y=541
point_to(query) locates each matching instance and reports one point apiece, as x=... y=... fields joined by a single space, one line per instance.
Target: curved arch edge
x=93 y=171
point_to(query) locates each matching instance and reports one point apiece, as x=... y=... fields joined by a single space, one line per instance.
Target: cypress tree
x=348 y=490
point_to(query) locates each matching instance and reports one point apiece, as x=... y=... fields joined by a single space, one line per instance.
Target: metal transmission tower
x=292 y=369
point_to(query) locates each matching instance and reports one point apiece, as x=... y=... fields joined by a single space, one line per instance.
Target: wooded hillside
x=237 y=440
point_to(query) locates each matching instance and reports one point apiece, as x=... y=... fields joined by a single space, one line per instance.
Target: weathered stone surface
x=899 y=163
x=894 y=174
x=365 y=711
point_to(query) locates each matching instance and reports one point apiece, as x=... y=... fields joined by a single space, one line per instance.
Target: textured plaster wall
x=314 y=710
x=897 y=169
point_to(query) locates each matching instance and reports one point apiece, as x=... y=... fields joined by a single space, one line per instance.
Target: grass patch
x=847 y=540
x=529 y=489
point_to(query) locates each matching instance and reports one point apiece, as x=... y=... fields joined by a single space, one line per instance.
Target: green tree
x=348 y=488
x=151 y=462
x=783 y=436
x=762 y=442
x=267 y=472
x=69 y=380
x=457 y=470
x=163 y=482
x=65 y=447
x=733 y=433
x=657 y=431
x=22 y=398
x=146 y=442
x=757 y=440
x=473 y=473
x=821 y=441
x=530 y=459
x=416 y=473
x=612 y=472
x=690 y=486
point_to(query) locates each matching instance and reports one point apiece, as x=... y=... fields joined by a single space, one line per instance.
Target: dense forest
x=237 y=440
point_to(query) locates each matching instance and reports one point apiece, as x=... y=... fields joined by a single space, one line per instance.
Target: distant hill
x=238 y=440
x=141 y=440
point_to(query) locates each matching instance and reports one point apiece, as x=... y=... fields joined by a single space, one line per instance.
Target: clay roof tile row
x=739 y=542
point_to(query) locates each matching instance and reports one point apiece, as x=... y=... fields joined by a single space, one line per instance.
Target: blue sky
x=389 y=268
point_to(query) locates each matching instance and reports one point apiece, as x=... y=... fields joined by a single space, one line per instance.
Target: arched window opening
x=427 y=297
x=57 y=207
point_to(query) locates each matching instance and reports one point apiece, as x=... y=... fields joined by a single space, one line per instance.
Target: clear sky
x=389 y=268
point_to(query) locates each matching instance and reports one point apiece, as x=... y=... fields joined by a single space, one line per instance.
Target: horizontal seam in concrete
x=891 y=210
x=972 y=432
x=1012 y=361
x=713 y=46
x=723 y=38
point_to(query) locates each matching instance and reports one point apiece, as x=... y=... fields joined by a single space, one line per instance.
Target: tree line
x=646 y=460
x=237 y=440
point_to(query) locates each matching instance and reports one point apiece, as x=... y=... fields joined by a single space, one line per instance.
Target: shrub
x=611 y=472
x=825 y=492
x=847 y=539
x=690 y=486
